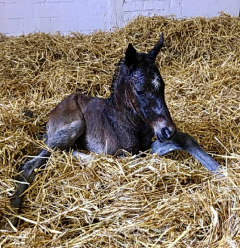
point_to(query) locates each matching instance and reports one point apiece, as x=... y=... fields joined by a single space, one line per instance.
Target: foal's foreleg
x=183 y=141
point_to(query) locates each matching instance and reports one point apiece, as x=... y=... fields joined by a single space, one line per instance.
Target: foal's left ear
x=154 y=52
x=130 y=55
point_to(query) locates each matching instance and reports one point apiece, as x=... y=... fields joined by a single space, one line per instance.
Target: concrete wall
x=27 y=16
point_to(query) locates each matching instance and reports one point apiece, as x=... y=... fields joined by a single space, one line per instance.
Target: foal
x=127 y=120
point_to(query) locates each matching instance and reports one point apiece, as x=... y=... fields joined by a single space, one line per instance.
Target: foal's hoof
x=82 y=157
x=220 y=174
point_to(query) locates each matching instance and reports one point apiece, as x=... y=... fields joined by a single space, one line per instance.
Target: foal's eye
x=140 y=93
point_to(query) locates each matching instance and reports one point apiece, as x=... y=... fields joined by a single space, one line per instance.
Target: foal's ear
x=130 y=55
x=154 y=52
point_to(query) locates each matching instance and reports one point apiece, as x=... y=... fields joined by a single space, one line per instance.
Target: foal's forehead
x=143 y=57
x=146 y=67
x=140 y=78
x=146 y=72
x=145 y=62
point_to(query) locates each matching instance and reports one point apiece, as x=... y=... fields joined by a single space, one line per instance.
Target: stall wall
x=26 y=16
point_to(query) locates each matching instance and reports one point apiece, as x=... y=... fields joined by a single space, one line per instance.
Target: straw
x=169 y=201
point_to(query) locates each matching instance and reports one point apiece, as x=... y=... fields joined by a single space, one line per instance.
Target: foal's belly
x=96 y=145
x=108 y=145
x=99 y=138
x=95 y=140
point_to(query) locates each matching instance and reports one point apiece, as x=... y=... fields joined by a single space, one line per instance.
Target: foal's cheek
x=154 y=108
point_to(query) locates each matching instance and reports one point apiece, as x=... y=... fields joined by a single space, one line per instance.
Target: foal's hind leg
x=66 y=124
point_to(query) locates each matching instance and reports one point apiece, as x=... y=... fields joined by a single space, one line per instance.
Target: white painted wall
x=26 y=16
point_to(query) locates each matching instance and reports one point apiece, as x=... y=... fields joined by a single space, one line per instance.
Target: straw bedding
x=169 y=201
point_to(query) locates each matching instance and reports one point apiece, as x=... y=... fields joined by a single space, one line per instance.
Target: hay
x=149 y=202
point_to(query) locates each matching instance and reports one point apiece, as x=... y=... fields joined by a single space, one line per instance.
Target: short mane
x=116 y=73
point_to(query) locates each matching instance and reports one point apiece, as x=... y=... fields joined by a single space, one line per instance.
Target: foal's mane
x=116 y=73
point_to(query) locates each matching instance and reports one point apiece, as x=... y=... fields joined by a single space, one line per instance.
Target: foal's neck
x=119 y=99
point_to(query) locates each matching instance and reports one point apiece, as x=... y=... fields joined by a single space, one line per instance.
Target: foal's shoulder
x=88 y=102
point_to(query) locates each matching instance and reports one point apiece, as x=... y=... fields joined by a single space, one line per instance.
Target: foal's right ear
x=130 y=55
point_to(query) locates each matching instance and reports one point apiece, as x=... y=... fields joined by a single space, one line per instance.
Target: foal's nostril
x=166 y=133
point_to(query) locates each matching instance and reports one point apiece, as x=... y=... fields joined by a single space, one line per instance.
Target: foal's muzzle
x=166 y=133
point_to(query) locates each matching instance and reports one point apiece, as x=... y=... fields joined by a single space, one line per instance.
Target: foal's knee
x=66 y=135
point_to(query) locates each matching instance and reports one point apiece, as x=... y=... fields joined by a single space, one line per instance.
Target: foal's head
x=145 y=90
